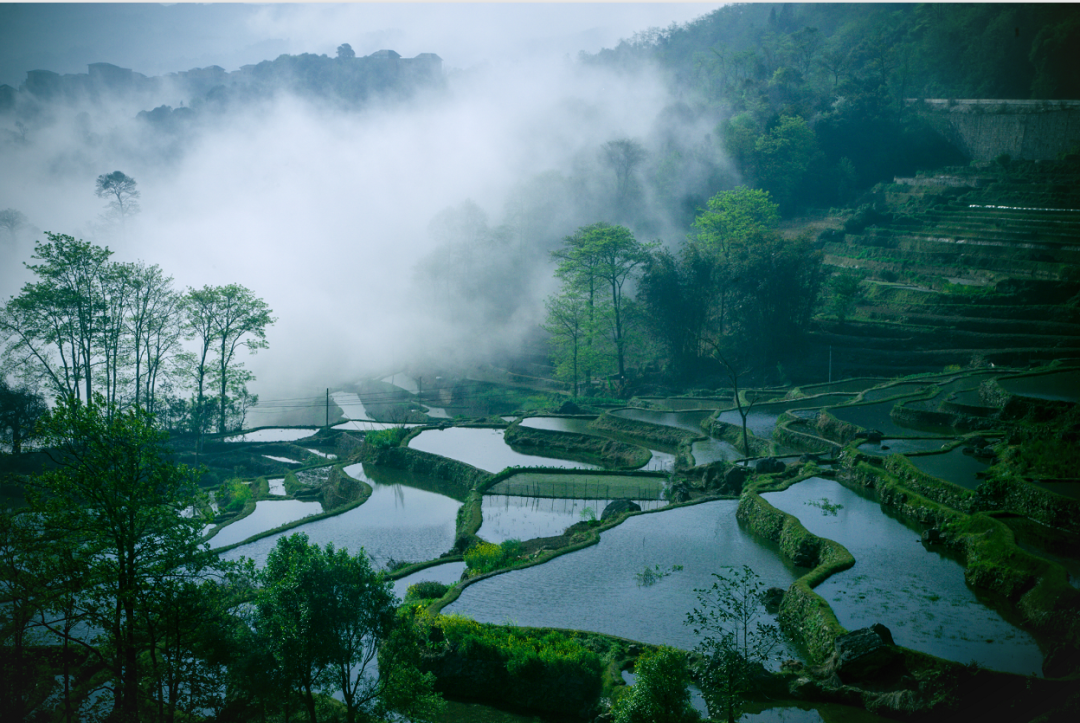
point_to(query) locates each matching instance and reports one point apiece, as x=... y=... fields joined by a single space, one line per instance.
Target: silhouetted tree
x=121 y=191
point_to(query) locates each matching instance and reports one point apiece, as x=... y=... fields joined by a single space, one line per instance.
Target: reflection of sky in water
x=283 y=460
x=350 y=404
x=760 y=423
x=268 y=514
x=397 y=522
x=484 y=449
x=919 y=595
x=272 y=435
x=597 y=589
x=277 y=485
x=508 y=517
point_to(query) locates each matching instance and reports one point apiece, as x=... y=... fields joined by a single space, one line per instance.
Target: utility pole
x=830 y=363
x=328 y=407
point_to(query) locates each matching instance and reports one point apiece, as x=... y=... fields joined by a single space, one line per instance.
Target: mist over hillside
x=413 y=221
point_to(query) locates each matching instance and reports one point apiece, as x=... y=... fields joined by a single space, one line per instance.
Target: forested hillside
x=813 y=94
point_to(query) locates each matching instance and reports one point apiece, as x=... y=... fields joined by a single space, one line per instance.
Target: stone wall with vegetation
x=804 y=615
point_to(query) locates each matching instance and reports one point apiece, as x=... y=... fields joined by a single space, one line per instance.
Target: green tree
x=660 y=693
x=122 y=192
x=12 y=221
x=20 y=410
x=733 y=216
x=223 y=319
x=599 y=260
x=322 y=615
x=567 y=322
x=678 y=299
x=782 y=157
x=25 y=684
x=53 y=328
x=115 y=507
x=734 y=642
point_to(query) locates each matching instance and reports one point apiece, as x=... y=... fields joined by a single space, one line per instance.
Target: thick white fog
x=326 y=213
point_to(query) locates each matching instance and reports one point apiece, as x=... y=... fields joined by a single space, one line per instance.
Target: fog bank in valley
x=403 y=230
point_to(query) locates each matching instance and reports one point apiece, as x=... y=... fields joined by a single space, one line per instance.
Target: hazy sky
x=156 y=39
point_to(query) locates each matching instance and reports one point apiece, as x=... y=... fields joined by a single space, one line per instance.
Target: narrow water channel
x=272 y=435
x=917 y=593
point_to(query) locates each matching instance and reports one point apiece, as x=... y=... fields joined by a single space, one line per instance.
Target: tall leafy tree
x=733 y=215
x=660 y=693
x=322 y=615
x=222 y=320
x=115 y=505
x=600 y=260
x=567 y=322
x=53 y=328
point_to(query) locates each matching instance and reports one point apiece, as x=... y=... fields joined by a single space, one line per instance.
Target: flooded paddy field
x=1060 y=386
x=902 y=446
x=597 y=588
x=268 y=514
x=689 y=420
x=513 y=517
x=877 y=416
x=275 y=434
x=484 y=449
x=447 y=573
x=919 y=594
x=397 y=522
x=581 y=486
x=952 y=466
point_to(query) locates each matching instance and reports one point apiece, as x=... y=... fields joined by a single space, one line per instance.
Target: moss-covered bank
x=804 y=615
x=580 y=447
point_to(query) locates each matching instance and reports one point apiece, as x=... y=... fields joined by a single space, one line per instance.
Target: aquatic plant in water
x=652 y=575
x=826 y=507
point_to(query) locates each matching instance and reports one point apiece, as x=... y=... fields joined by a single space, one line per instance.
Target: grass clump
x=386 y=438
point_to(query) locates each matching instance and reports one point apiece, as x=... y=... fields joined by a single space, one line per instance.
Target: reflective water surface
x=512 y=517
x=397 y=521
x=272 y=435
x=597 y=589
x=484 y=449
x=268 y=514
x=918 y=594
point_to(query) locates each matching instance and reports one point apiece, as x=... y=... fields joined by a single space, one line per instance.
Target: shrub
x=484 y=557
x=426 y=590
x=232 y=495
